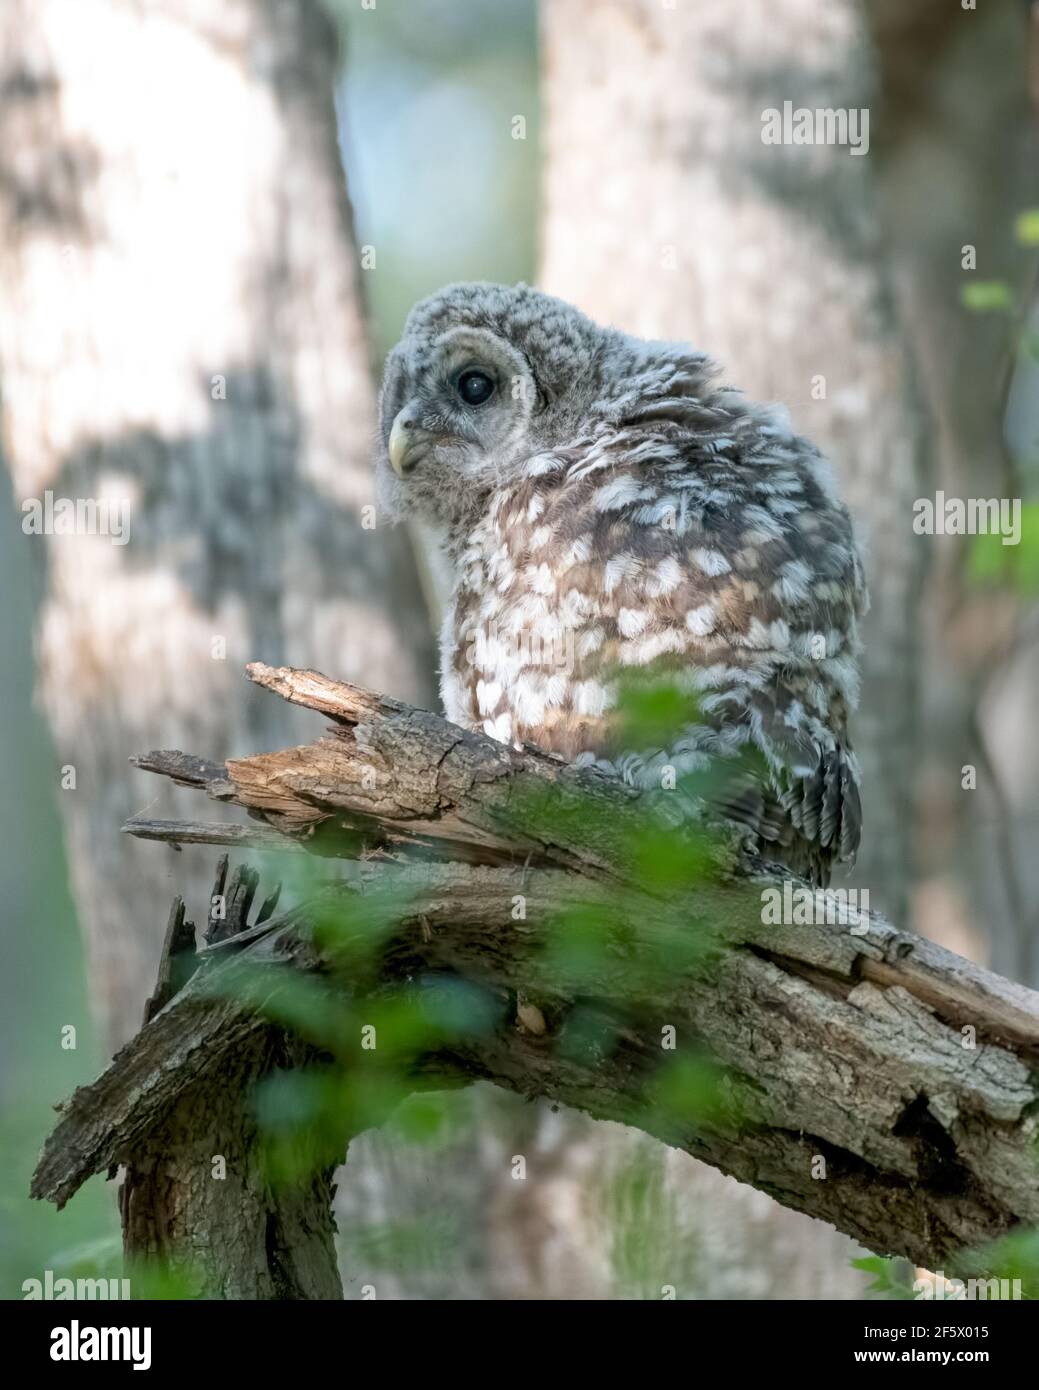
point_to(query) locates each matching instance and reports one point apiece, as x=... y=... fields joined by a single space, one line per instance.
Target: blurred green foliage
x=641 y=1210
x=1015 y=1256
x=984 y=296
x=987 y=296
x=892 y=1277
x=1026 y=227
x=1013 y=1259
x=992 y=562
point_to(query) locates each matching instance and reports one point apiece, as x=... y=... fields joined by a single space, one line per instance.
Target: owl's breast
x=521 y=646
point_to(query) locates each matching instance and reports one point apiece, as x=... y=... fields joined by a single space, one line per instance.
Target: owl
x=610 y=510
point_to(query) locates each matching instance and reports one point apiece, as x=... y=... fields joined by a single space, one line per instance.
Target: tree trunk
x=964 y=165
x=182 y=334
x=195 y=1179
x=181 y=327
x=666 y=215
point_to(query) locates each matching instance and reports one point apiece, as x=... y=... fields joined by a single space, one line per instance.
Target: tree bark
x=195 y=1181
x=182 y=333
x=848 y=1089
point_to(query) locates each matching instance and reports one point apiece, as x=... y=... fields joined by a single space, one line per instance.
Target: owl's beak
x=405 y=436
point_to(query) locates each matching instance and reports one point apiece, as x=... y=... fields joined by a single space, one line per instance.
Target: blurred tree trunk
x=666 y=215
x=181 y=329
x=958 y=162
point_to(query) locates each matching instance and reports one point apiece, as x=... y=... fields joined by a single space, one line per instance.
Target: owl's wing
x=687 y=558
x=807 y=811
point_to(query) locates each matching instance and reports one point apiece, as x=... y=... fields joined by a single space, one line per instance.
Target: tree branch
x=870 y=1078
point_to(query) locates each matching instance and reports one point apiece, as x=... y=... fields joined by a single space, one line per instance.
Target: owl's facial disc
x=417 y=433
x=458 y=414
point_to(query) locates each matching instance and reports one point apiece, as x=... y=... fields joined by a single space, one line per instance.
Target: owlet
x=610 y=509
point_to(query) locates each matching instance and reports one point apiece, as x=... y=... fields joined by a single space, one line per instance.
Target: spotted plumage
x=606 y=504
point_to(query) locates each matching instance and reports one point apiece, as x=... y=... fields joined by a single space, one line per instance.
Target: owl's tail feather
x=810 y=825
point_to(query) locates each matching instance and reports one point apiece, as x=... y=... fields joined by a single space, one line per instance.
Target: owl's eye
x=475 y=387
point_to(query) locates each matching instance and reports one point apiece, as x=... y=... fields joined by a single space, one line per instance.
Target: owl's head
x=486 y=377
x=476 y=384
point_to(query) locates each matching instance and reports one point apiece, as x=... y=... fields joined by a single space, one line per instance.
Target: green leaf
x=986 y=296
x=652 y=711
x=693 y=1092
x=892 y=1278
x=1012 y=1257
x=992 y=562
x=1026 y=227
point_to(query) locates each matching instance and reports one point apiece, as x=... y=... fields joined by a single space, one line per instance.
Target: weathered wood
x=467 y=789
x=910 y=1072
x=391 y=771
x=177 y=962
x=194 y=1181
x=180 y=832
x=929 y=1148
